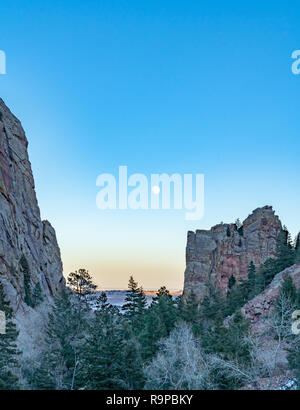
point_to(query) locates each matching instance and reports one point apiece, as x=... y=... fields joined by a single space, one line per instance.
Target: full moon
x=156 y=189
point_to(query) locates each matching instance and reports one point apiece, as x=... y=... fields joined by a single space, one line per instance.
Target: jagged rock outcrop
x=271 y=350
x=24 y=237
x=260 y=306
x=227 y=249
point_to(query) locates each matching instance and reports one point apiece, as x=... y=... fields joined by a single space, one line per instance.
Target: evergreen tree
x=159 y=321
x=37 y=296
x=236 y=347
x=102 y=366
x=59 y=360
x=288 y=292
x=251 y=280
x=8 y=348
x=151 y=334
x=164 y=307
x=190 y=312
x=231 y=282
x=285 y=251
x=228 y=233
x=251 y=272
x=133 y=375
x=297 y=249
x=81 y=283
x=229 y=343
x=286 y=256
x=212 y=306
x=266 y=273
x=135 y=305
x=236 y=297
x=27 y=281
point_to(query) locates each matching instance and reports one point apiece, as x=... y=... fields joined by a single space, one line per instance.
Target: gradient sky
x=159 y=86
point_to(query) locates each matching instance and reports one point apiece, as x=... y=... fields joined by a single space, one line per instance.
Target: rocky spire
x=227 y=249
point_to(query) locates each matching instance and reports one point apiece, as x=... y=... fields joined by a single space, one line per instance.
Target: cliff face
x=23 y=235
x=225 y=250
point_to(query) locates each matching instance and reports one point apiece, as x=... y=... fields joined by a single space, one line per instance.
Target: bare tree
x=181 y=364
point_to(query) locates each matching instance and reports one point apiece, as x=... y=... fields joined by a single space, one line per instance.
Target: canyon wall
x=226 y=249
x=30 y=259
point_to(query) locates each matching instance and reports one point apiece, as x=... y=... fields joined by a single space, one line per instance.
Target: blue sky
x=160 y=86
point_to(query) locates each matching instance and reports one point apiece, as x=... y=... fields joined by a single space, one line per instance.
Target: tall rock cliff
x=29 y=254
x=227 y=249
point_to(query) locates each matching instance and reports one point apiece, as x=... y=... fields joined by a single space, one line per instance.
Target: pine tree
x=133 y=375
x=59 y=360
x=236 y=297
x=213 y=304
x=102 y=364
x=37 y=296
x=236 y=348
x=231 y=282
x=152 y=332
x=251 y=281
x=285 y=251
x=297 y=249
x=229 y=344
x=159 y=321
x=190 y=312
x=265 y=275
x=102 y=302
x=286 y=256
x=135 y=305
x=288 y=291
x=27 y=281
x=81 y=282
x=165 y=309
x=8 y=347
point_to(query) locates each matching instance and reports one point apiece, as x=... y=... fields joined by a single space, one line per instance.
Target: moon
x=156 y=189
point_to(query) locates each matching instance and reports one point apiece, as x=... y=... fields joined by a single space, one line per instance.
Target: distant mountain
x=117 y=297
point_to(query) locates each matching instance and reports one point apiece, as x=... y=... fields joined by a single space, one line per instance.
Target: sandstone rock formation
x=23 y=236
x=227 y=250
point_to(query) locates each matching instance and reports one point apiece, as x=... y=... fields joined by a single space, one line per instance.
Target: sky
x=163 y=87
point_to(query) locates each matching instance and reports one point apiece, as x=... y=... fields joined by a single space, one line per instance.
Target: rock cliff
x=29 y=254
x=260 y=306
x=271 y=350
x=227 y=249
